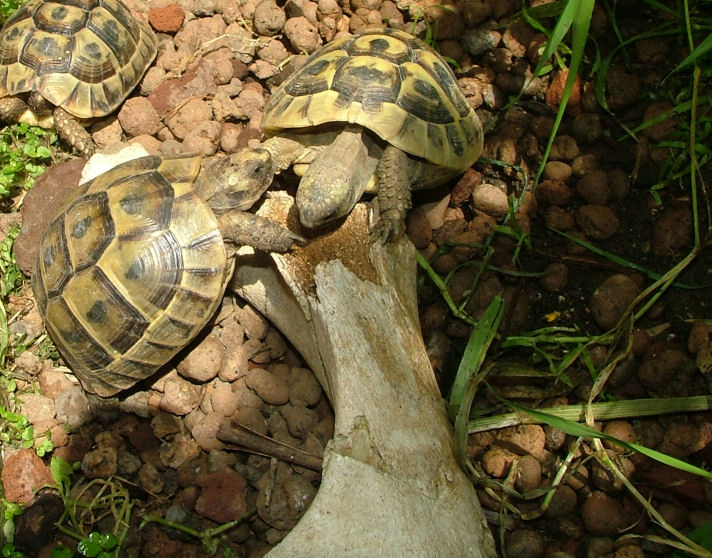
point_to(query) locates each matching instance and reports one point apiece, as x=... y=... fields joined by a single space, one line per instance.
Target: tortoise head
x=323 y=199
x=235 y=182
x=336 y=179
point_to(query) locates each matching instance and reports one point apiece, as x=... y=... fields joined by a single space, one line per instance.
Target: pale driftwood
x=391 y=485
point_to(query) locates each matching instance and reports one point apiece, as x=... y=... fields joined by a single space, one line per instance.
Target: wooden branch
x=391 y=485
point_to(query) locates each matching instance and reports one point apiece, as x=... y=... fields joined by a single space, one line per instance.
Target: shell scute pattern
x=84 y=56
x=388 y=82
x=368 y=81
x=142 y=205
x=124 y=278
x=59 y=18
x=420 y=97
x=71 y=336
x=88 y=229
x=55 y=259
x=46 y=53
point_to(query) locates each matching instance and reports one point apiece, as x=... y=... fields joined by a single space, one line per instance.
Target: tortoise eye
x=256 y=170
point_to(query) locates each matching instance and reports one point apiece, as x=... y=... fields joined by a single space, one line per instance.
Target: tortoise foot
x=11 y=108
x=389 y=227
x=71 y=131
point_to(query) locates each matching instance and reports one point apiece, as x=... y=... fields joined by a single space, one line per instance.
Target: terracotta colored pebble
x=167 y=19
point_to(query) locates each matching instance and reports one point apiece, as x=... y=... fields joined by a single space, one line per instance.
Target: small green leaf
x=45 y=447
x=43 y=152
x=702 y=535
x=28 y=433
x=11 y=510
x=8 y=529
x=61 y=552
x=60 y=469
x=88 y=547
x=108 y=541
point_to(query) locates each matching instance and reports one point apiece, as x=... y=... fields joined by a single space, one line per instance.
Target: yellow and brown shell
x=82 y=55
x=130 y=271
x=390 y=83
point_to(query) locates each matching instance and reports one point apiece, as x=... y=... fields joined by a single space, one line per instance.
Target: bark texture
x=391 y=484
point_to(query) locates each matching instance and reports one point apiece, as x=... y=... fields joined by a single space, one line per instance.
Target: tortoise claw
x=388 y=228
x=297 y=238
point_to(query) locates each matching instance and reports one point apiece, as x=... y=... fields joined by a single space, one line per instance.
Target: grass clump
x=490 y=390
x=25 y=152
x=8 y=7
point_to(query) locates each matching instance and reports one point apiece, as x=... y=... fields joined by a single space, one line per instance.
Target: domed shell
x=386 y=81
x=82 y=55
x=130 y=271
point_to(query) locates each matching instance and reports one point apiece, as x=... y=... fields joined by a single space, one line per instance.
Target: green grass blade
x=442 y=287
x=606 y=410
x=463 y=414
x=662 y=7
x=678 y=109
x=618 y=260
x=577 y=17
x=4 y=333
x=475 y=352
x=470 y=375
x=702 y=536
x=703 y=48
x=581 y=430
x=563 y=24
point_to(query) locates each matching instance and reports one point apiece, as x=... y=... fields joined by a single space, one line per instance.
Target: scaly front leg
x=242 y=228
x=394 y=194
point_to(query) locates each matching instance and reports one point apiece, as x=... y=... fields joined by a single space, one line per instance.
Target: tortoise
x=135 y=264
x=82 y=57
x=379 y=112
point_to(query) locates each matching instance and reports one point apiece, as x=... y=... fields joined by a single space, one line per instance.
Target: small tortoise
x=376 y=112
x=82 y=57
x=135 y=265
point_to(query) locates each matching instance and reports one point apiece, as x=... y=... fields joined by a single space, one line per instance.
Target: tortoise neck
x=206 y=185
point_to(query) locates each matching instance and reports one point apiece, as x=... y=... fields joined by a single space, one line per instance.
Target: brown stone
x=24 y=473
x=222 y=496
x=167 y=19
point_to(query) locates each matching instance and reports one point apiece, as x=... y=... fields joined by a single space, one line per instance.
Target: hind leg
x=11 y=108
x=73 y=133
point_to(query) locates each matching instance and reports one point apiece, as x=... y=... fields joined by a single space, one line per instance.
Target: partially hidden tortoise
x=379 y=112
x=69 y=60
x=136 y=263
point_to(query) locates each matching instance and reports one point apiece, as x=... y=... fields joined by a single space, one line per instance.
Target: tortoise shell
x=390 y=83
x=130 y=271
x=82 y=55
